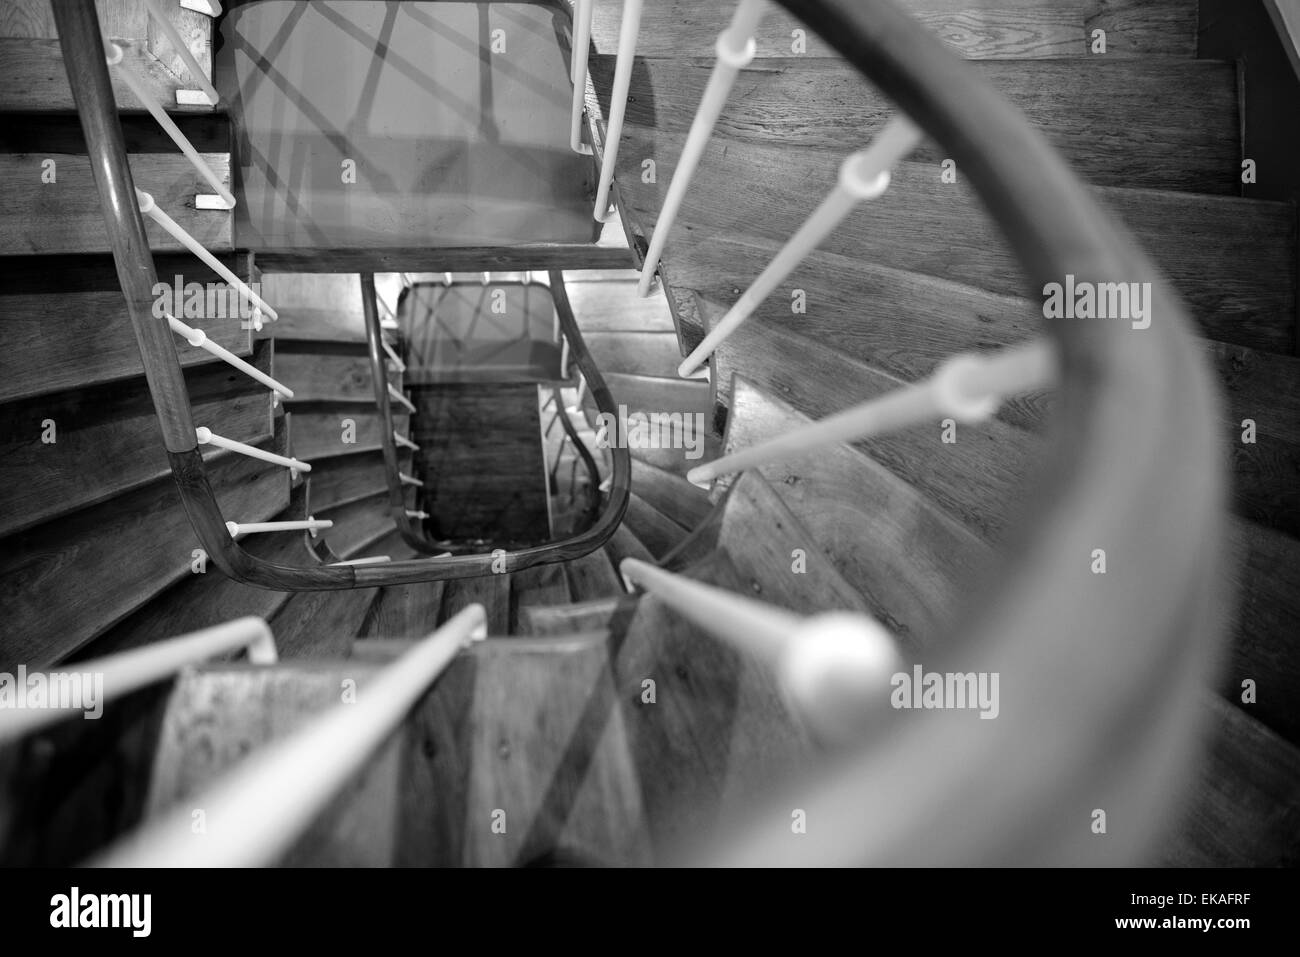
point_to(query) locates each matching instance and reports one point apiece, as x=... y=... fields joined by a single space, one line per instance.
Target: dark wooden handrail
x=81 y=42
x=1101 y=675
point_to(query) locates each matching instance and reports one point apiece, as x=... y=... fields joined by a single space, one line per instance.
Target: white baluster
x=627 y=37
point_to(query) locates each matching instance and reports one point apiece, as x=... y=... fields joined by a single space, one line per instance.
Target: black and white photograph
x=650 y=434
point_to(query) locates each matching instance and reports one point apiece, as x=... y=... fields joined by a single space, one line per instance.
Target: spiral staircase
x=599 y=723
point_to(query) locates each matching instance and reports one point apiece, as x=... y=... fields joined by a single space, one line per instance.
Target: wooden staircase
x=596 y=725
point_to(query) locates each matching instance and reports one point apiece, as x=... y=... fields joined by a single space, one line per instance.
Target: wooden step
x=321 y=624
x=1233 y=260
x=666 y=396
x=104 y=440
x=979 y=479
x=678 y=499
x=614 y=306
x=1242 y=810
x=1096 y=112
x=592 y=576
x=490 y=591
x=320 y=430
x=542 y=585
x=68 y=580
x=80 y=298
x=643 y=353
x=1265 y=389
x=65 y=216
x=718 y=726
x=346 y=478
x=403 y=611
x=996 y=29
x=321 y=376
x=778 y=558
x=33 y=76
x=1265 y=619
x=316 y=306
x=595 y=615
x=659 y=533
x=203 y=600
x=220 y=714
x=911 y=560
x=625 y=544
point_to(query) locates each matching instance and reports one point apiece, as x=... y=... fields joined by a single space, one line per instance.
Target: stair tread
x=592 y=576
x=655 y=530
x=491 y=591
x=596 y=614
x=81 y=296
x=106 y=440
x=1096 y=112
x=201 y=601
x=1233 y=260
x=972 y=28
x=614 y=306
x=539 y=585
x=320 y=429
x=65 y=216
x=346 y=478
x=669 y=493
x=909 y=558
x=70 y=579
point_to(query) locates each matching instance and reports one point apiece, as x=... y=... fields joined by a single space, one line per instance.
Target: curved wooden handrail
x=81 y=42
x=584 y=453
x=1100 y=674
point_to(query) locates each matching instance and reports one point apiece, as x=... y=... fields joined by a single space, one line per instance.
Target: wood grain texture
x=761 y=536
x=981 y=479
x=321 y=624
x=1097 y=112
x=325 y=377
x=683 y=503
x=717 y=729
x=68 y=580
x=403 y=611
x=81 y=298
x=319 y=431
x=490 y=591
x=1232 y=260
x=483 y=468
x=107 y=440
x=200 y=601
x=659 y=533
x=546 y=753
x=612 y=305
x=997 y=29
x=32 y=77
x=65 y=216
x=346 y=478
x=911 y=560
x=1244 y=810
x=219 y=715
x=644 y=353
x=541 y=585
x=592 y=576
x=624 y=544
x=315 y=306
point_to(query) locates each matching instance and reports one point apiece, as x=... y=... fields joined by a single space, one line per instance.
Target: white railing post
x=628 y=30
x=312 y=525
x=578 y=73
x=967 y=388
x=183 y=50
x=405 y=442
x=303 y=773
x=199 y=339
x=863 y=176
x=408 y=480
x=397 y=396
x=118 y=675
x=150 y=209
x=735 y=50
x=392 y=356
x=205 y=436
x=138 y=90
x=834 y=669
